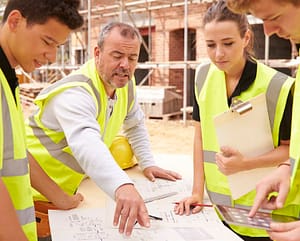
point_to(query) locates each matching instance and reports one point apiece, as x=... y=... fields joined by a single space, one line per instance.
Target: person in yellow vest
x=79 y=116
x=30 y=33
x=233 y=72
x=281 y=17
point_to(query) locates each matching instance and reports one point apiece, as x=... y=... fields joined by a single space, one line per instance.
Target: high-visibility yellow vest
x=51 y=149
x=13 y=158
x=295 y=137
x=210 y=90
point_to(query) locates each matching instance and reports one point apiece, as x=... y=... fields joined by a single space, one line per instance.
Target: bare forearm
x=198 y=183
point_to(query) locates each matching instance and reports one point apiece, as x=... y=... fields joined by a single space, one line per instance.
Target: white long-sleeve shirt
x=74 y=112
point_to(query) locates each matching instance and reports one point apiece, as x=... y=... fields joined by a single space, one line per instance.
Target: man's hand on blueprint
x=130 y=207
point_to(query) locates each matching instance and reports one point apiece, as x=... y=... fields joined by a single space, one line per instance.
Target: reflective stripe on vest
x=277 y=88
x=295 y=133
x=14 y=163
x=273 y=90
x=11 y=167
x=52 y=147
x=46 y=141
x=25 y=216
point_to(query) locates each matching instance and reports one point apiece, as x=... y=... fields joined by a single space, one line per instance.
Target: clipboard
x=246 y=127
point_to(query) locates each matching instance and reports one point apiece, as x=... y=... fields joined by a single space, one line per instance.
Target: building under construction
x=172 y=47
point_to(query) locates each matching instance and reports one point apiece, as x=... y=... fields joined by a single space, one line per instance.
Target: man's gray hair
x=126 y=31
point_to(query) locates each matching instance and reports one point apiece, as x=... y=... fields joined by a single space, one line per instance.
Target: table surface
x=94 y=197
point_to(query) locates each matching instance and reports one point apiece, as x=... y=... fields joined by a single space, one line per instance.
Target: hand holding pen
x=196 y=205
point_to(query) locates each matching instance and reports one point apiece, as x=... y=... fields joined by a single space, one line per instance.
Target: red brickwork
x=167 y=39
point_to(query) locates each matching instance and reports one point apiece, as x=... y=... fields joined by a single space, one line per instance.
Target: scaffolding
x=127 y=10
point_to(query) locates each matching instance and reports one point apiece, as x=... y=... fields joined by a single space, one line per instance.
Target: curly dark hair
x=39 y=11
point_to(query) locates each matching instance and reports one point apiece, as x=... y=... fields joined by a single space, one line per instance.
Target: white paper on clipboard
x=250 y=134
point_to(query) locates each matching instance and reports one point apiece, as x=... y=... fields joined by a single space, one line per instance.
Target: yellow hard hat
x=122 y=152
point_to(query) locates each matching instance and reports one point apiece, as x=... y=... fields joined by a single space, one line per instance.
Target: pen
x=152 y=217
x=198 y=204
x=155 y=217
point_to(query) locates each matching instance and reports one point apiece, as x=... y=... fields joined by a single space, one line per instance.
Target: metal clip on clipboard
x=239 y=106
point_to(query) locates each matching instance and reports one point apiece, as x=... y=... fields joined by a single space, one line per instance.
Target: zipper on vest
x=109 y=112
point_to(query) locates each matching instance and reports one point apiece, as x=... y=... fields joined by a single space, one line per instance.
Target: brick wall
x=168 y=42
